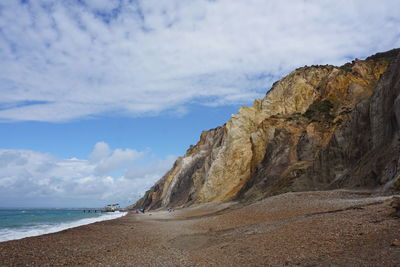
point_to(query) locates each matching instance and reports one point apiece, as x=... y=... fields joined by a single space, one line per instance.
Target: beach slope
x=331 y=228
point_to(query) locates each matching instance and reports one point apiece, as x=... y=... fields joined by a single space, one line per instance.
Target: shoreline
x=44 y=229
x=307 y=229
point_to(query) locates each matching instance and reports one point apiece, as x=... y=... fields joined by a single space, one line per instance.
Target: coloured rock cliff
x=319 y=128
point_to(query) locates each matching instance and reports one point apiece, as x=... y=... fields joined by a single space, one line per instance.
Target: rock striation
x=319 y=128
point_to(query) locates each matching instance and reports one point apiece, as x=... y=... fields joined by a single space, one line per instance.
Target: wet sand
x=334 y=228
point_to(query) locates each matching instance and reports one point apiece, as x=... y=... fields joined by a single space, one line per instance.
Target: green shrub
x=319 y=111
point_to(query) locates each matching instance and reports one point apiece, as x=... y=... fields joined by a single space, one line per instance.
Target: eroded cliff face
x=320 y=127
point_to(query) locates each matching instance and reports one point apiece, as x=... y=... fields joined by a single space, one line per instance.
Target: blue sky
x=164 y=134
x=99 y=97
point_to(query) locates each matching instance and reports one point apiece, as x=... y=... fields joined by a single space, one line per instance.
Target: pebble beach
x=332 y=228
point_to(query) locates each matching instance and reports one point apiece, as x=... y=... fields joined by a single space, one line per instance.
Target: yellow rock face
x=248 y=132
x=297 y=119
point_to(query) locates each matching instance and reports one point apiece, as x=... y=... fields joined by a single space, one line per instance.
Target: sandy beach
x=333 y=228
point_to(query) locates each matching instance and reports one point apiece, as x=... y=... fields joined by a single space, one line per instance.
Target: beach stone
x=395 y=243
x=395 y=204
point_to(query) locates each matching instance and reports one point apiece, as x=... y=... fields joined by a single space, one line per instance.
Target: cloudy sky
x=98 y=97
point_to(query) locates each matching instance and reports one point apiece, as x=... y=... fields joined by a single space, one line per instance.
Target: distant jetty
x=112 y=208
x=108 y=208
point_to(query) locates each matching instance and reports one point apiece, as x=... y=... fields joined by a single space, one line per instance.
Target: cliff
x=319 y=128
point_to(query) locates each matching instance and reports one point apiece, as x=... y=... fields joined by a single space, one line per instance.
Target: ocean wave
x=7 y=234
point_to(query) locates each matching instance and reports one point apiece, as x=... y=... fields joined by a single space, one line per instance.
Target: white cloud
x=118 y=159
x=62 y=60
x=101 y=150
x=46 y=179
x=102 y=5
x=151 y=169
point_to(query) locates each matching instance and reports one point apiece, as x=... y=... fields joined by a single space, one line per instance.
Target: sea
x=21 y=223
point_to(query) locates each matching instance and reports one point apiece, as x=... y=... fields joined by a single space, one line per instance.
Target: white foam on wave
x=13 y=234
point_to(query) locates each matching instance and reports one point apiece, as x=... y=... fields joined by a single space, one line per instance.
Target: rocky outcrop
x=320 y=127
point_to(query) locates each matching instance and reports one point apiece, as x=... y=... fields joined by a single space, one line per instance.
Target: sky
x=99 y=97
